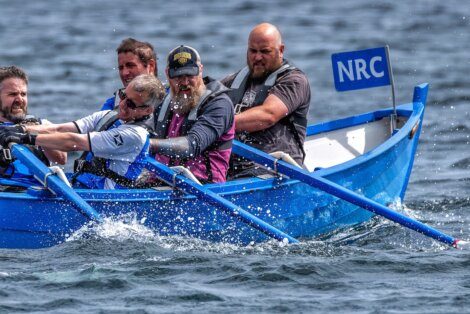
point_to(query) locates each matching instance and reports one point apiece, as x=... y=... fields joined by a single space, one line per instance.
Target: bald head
x=266 y=31
x=265 y=50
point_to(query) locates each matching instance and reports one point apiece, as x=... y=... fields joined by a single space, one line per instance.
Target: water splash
x=119 y=228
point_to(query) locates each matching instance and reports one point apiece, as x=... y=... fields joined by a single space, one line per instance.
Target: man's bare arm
x=52 y=128
x=66 y=142
x=261 y=117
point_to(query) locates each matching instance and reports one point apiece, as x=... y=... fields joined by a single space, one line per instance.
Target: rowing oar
x=206 y=195
x=53 y=182
x=337 y=190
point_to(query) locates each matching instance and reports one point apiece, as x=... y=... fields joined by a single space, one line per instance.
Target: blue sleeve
x=108 y=105
x=215 y=120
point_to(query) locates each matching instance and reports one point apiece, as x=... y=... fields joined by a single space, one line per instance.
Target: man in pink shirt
x=194 y=125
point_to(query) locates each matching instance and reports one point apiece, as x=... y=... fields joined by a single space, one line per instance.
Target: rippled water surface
x=68 y=48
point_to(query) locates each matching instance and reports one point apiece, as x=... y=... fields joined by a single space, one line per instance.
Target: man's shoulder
x=292 y=75
x=109 y=103
x=133 y=129
x=100 y=114
x=93 y=119
x=228 y=80
x=221 y=100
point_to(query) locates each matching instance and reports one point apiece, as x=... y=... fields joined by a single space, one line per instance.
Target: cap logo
x=182 y=57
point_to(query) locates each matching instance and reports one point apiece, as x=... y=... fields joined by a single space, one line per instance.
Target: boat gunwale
x=245 y=185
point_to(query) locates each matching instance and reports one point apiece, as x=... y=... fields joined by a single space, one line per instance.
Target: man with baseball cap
x=194 y=125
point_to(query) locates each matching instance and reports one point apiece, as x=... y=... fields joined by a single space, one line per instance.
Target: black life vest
x=240 y=84
x=37 y=150
x=163 y=117
x=6 y=168
x=117 y=99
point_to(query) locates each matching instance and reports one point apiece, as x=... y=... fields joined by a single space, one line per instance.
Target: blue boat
x=369 y=153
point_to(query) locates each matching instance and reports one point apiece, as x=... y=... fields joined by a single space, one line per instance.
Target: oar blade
x=336 y=190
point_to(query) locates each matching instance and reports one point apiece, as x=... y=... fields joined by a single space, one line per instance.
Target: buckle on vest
x=6 y=155
x=78 y=165
x=240 y=107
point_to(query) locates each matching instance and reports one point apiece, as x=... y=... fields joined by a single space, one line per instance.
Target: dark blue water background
x=68 y=49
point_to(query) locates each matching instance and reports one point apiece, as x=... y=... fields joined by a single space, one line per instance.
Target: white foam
x=463 y=245
x=119 y=228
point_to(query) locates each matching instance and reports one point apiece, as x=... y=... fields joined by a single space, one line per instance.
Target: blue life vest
x=92 y=171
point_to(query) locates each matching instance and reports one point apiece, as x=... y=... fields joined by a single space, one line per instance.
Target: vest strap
x=242 y=74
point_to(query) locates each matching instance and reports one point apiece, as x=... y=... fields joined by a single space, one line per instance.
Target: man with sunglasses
x=134 y=58
x=194 y=124
x=116 y=154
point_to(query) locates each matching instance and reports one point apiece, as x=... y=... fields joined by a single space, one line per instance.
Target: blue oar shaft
x=54 y=183
x=340 y=192
x=204 y=194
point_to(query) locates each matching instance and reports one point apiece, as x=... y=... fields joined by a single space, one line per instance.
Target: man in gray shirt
x=271 y=98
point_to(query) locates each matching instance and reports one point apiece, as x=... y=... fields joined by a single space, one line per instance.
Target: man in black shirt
x=271 y=100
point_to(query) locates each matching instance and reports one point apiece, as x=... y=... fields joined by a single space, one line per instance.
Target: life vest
x=88 y=163
x=239 y=87
x=16 y=168
x=117 y=99
x=162 y=121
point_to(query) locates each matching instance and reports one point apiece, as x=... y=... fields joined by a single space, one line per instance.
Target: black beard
x=16 y=119
x=12 y=118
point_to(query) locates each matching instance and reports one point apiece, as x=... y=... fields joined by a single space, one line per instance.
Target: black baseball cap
x=183 y=60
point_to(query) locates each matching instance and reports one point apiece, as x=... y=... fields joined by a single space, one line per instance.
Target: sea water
x=68 y=50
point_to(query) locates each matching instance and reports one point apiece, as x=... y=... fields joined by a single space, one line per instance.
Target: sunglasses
x=129 y=103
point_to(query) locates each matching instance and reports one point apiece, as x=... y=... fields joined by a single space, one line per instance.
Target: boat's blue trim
x=206 y=195
x=54 y=183
x=420 y=95
x=403 y=110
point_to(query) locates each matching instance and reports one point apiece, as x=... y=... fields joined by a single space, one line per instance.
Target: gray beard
x=181 y=105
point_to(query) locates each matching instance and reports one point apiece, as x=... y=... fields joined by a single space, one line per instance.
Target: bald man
x=271 y=99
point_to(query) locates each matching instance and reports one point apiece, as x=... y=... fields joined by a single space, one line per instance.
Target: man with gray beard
x=194 y=125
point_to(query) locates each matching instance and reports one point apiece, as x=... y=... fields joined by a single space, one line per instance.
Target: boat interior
x=326 y=149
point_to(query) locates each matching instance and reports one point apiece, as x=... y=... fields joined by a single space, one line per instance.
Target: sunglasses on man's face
x=129 y=103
